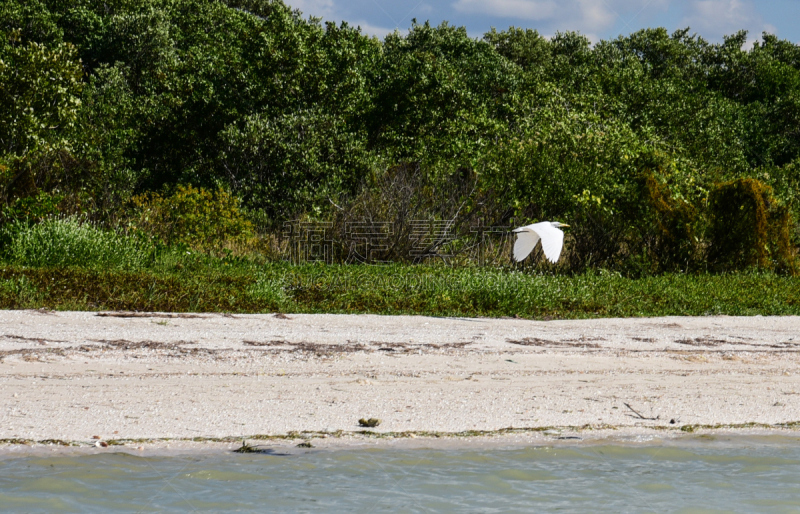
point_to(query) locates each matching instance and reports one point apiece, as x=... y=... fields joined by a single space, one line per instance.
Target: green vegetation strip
x=240 y=286
x=243 y=126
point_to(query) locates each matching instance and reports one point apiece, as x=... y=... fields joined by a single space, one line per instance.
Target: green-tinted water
x=748 y=476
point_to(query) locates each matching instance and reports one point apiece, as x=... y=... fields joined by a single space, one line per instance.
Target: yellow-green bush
x=671 y=239
x=207 y=221
x=749 y=228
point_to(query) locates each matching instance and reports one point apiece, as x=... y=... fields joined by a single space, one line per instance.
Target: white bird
x=548 y=231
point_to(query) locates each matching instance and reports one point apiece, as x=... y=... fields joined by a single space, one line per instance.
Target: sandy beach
x=200 y=379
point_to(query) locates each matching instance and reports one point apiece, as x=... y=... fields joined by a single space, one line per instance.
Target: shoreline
x=287 y=445
x=163 y=379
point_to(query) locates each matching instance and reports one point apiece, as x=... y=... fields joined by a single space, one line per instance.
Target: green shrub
x=31 y=208
x=269 y=290
x=200 y=219
x=73 y=242
x=20 y=292
x=293 y=163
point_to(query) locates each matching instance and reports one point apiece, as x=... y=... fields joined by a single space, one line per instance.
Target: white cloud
x=385 y=10
x=716 y=18
x=319 y=8
x=588 y=16
x=372 y=30
x=595 y=16
x=525 y=9
x=327 y=10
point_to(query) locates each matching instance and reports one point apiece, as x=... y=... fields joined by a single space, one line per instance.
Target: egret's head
x=559 y=225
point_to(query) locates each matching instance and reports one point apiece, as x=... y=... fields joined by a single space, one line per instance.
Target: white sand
x=75 y=375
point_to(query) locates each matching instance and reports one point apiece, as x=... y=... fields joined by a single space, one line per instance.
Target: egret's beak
x=564 y=225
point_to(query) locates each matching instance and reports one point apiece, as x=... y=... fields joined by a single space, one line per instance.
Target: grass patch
x=196 y=283
x=72 y=242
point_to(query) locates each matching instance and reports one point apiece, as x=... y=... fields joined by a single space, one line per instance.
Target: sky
x=597 y=19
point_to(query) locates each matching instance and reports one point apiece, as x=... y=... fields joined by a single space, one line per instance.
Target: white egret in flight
x=548 y=231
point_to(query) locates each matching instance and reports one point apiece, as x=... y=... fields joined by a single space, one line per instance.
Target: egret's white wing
x=526 y=242
x=552 y=239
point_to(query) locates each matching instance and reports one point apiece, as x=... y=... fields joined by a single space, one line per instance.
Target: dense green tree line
x=655 y=146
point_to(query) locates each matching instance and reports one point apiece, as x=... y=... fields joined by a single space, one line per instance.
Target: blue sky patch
x=598 y=19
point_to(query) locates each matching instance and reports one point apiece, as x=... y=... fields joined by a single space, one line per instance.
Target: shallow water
x=692 y=476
